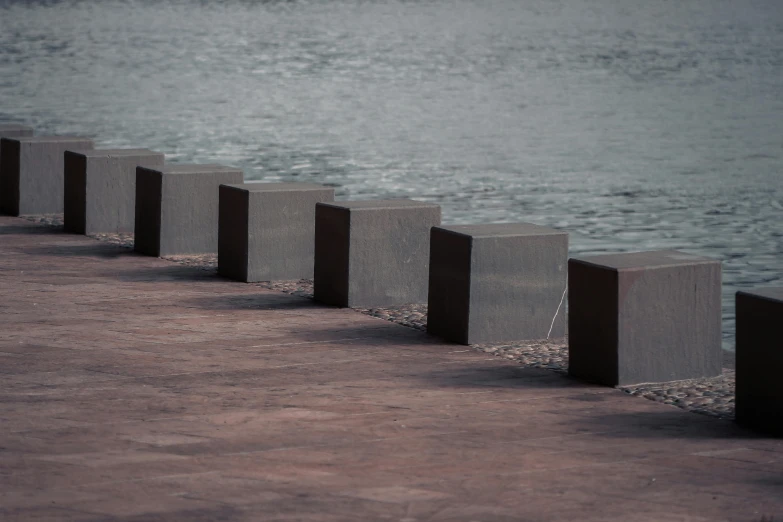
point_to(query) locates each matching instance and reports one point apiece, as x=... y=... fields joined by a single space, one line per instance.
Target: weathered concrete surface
x=644 y=317
x=373 y=253
x=759 y=402
x=100 y=188
x=134 y=389
x=497 y=282
x=31 y=173
x=267 y=230
x=177 y=208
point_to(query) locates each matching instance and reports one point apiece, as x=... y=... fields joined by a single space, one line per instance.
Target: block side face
x=75 y=191
x=281 y=233
x=233 y=234
x=147 y=218
x=517 y=283
x=189 y=211
x=111 y=189
x=389 y=261
x=592 y=323
x=9 y=176
x=759 y=389
x=448 y=300
x=670 y=323
x=13 y=131
x=330 y=273
x=41 y=179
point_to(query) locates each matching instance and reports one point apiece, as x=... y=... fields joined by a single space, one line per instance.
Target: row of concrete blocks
x=639 y=317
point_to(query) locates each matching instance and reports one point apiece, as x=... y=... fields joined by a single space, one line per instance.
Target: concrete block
x=644 y=317
x=31 y=173
x=177 y=208
x=100 y=188
x=12 y=130
x=497 y=282
x=267 y=230
x=373 y=253
x=759 y=388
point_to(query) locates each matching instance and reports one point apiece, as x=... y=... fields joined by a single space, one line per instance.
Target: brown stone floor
x=138 y=389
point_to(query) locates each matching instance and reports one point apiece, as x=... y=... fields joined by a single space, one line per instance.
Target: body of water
x=633 y=125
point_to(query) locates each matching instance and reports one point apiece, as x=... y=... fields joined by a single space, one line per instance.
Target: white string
x=558 y=308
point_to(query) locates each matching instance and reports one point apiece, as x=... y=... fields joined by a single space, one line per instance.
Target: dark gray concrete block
x=11 y=130
x=267 y=230
x=497 y=282
x=177 y=208
x=31 y=173
x=759 y=387
x=644 y=317
x=373 y=253
x=100 y=188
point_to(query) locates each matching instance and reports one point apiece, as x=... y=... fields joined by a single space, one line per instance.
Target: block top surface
x=114 y=153
x=772 y=293
x=192 y=169
x=48 y=139
x=642 y=260
x=12 y=127
x=379 y=204
x=260 y=186
x=501 y=230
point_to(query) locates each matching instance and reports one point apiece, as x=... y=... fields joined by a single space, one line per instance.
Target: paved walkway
x=136 y=389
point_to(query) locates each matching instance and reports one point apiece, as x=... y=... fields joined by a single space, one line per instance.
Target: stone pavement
x=136 y=389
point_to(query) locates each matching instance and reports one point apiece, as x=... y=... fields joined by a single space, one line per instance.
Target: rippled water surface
x=633 y=125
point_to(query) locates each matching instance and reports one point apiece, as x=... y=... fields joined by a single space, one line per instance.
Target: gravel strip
x=712 y=396
x=50 y=220
x=120 y=240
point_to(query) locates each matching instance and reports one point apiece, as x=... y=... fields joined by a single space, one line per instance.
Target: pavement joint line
x=238 y=370
x=739 y=464
x=558 y=437
x=227 y=371
x=717 y=453
x=546 y=397
x=570 y=468
x=339 y=444
x=15 y=355
x=127 y=481
x=308 y=342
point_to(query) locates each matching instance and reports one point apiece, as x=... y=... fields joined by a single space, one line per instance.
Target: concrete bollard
x=12 y=130
x=31 y=173
x=644 y=317
x=100 y=188
x=497 y=282
x=267 y=230
x=759 y=389
x=373 y=253
x=177 y=208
